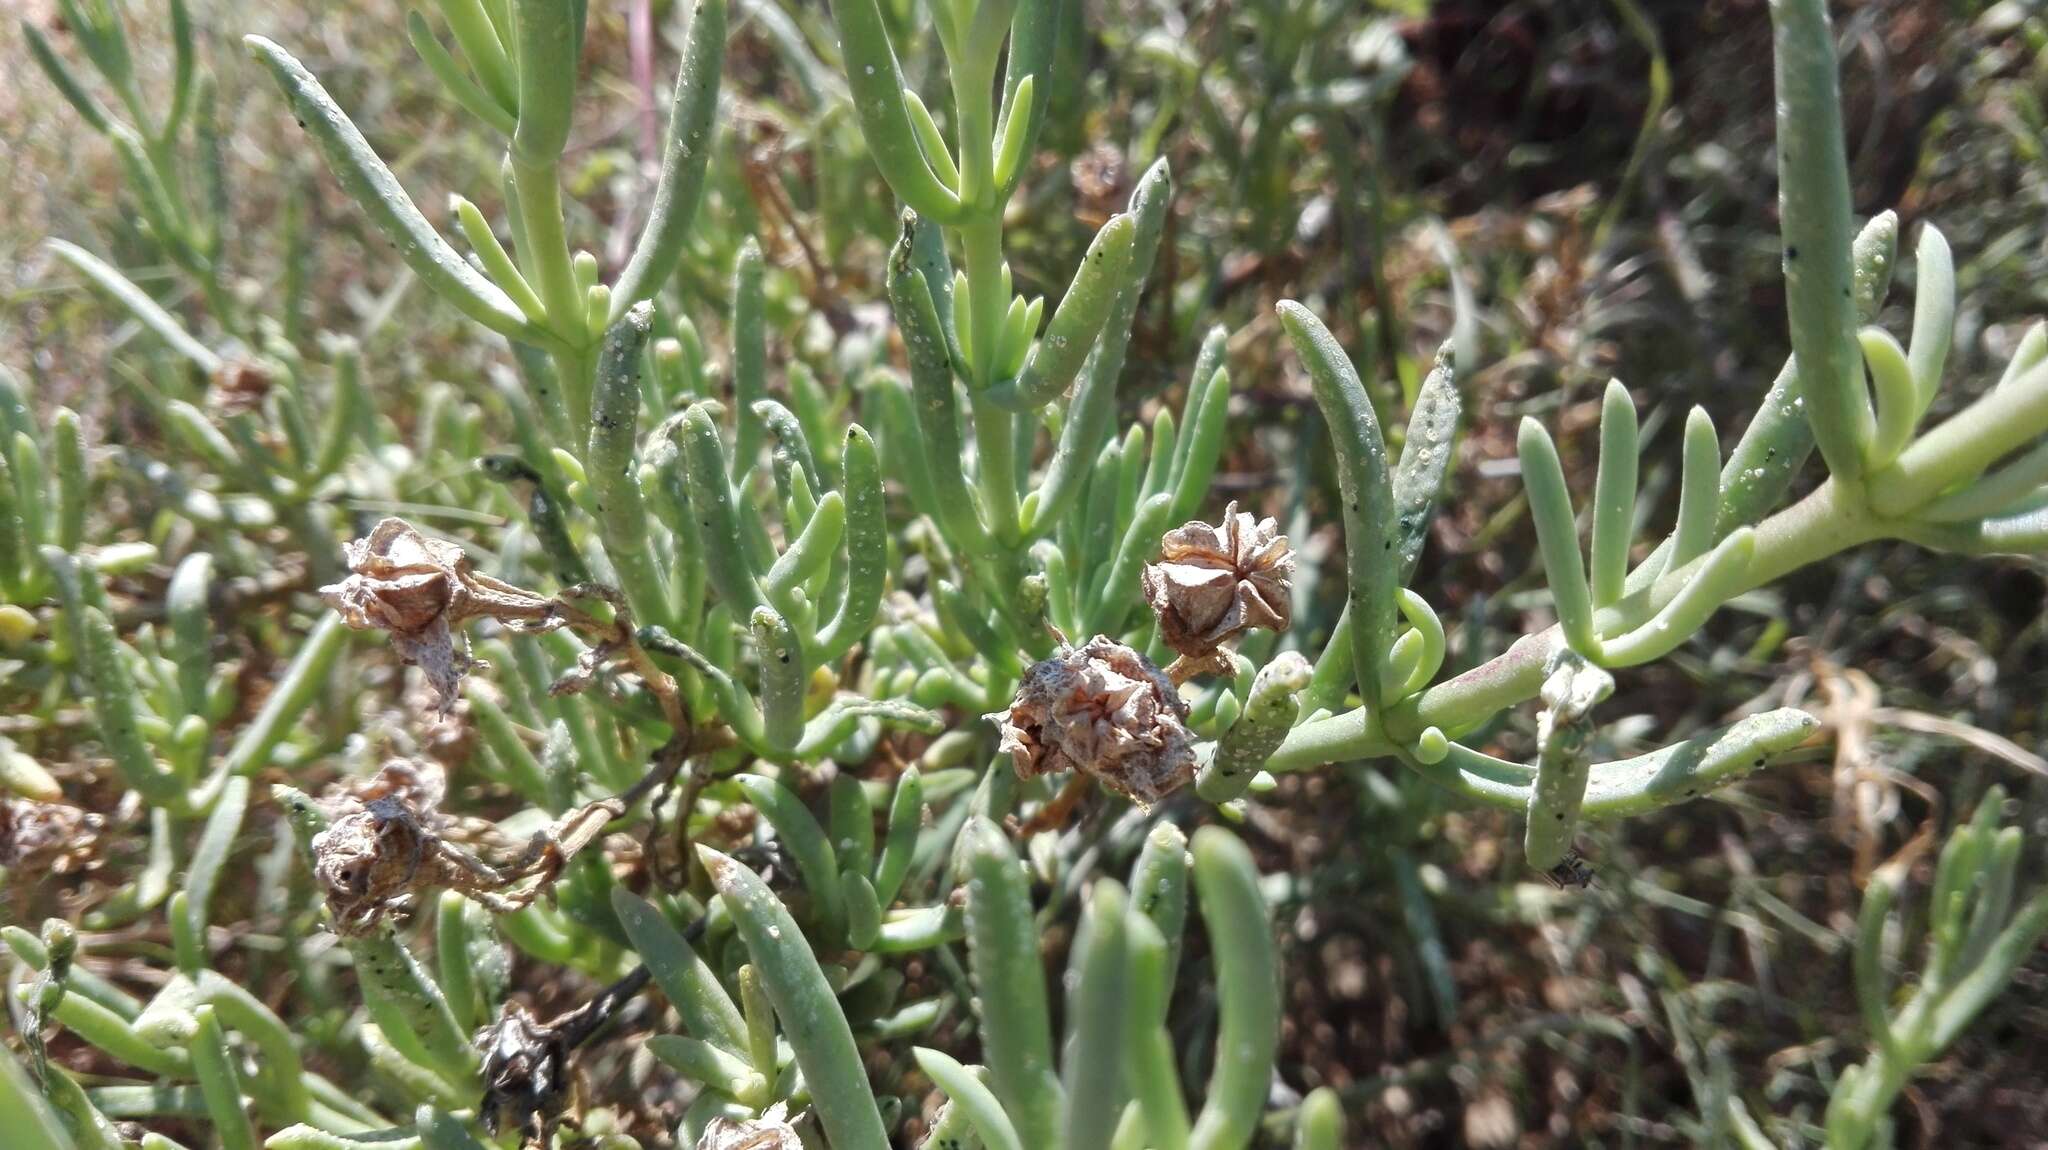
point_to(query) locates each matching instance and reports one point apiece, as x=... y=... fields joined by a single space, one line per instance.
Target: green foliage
x=750 y=600
x=1976 y=941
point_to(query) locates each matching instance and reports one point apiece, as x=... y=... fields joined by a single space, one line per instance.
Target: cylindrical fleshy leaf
x=1009 y=977
x=1269 y=713
x=1814 y=207
x=691 y=129
x=1425 y=459
x=1614 y=494
x=374 y=189
x=219 y=1085
x=1097 y=979
x=1247 y=987
x=1070 y=336
x=1557 y=535
x=1699 y=490
x=1934 y=314
x=1089 y=414
x=613 y=467
x=805 y=840
x=1365 y=486
x=692 y=988
x=877 y=87
x=812 y=1020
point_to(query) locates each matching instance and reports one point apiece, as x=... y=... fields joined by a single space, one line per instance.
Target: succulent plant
x=727 y=603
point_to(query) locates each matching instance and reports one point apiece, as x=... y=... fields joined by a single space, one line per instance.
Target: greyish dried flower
x=418 y=784
x=1212 y=584
x=771 y=1131
x=526 y=1068
x=372 y=860
x=1102 y=709
x=526 y=1073
x=419 y=590
x=38 y=838
x=239 y=387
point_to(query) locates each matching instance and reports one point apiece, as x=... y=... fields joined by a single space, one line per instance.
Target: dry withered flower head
x=46 y=838
x=526 y=1062
x=239 y=387
x=526 y=1070
x=1214 y=583
x=771 y=1131
x=420 y=589
x=1104 y=709
x=369 y=861
x=372 y=860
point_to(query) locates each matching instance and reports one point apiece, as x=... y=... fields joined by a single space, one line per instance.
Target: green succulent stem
x=753 y=540
x=1976 y=942
x=1813 y=197
x=994 y=431
x=1824 y=523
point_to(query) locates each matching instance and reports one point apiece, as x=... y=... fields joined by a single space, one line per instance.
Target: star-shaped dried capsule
x=1213 y=583
x=419 y=590
x=369 y=862
x=1105 y=710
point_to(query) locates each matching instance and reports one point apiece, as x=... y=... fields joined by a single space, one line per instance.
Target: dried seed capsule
x=526 y=1070
x=39 y=838
x=369 y=860
x=1103 y=709
x=239 y=387
x=419 y=590
x=1211 y=584
x=526 y=1061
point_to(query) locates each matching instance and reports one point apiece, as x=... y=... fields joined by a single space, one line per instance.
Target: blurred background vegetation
x=1590 y=185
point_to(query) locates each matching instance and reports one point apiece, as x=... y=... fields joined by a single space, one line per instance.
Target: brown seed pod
x=47 y=838
x=370 y=862
x=419 y=590
x=526 y=1062
x=526 y=1072
x=1103 y=709
x=1212 y=584
x=239 y=387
